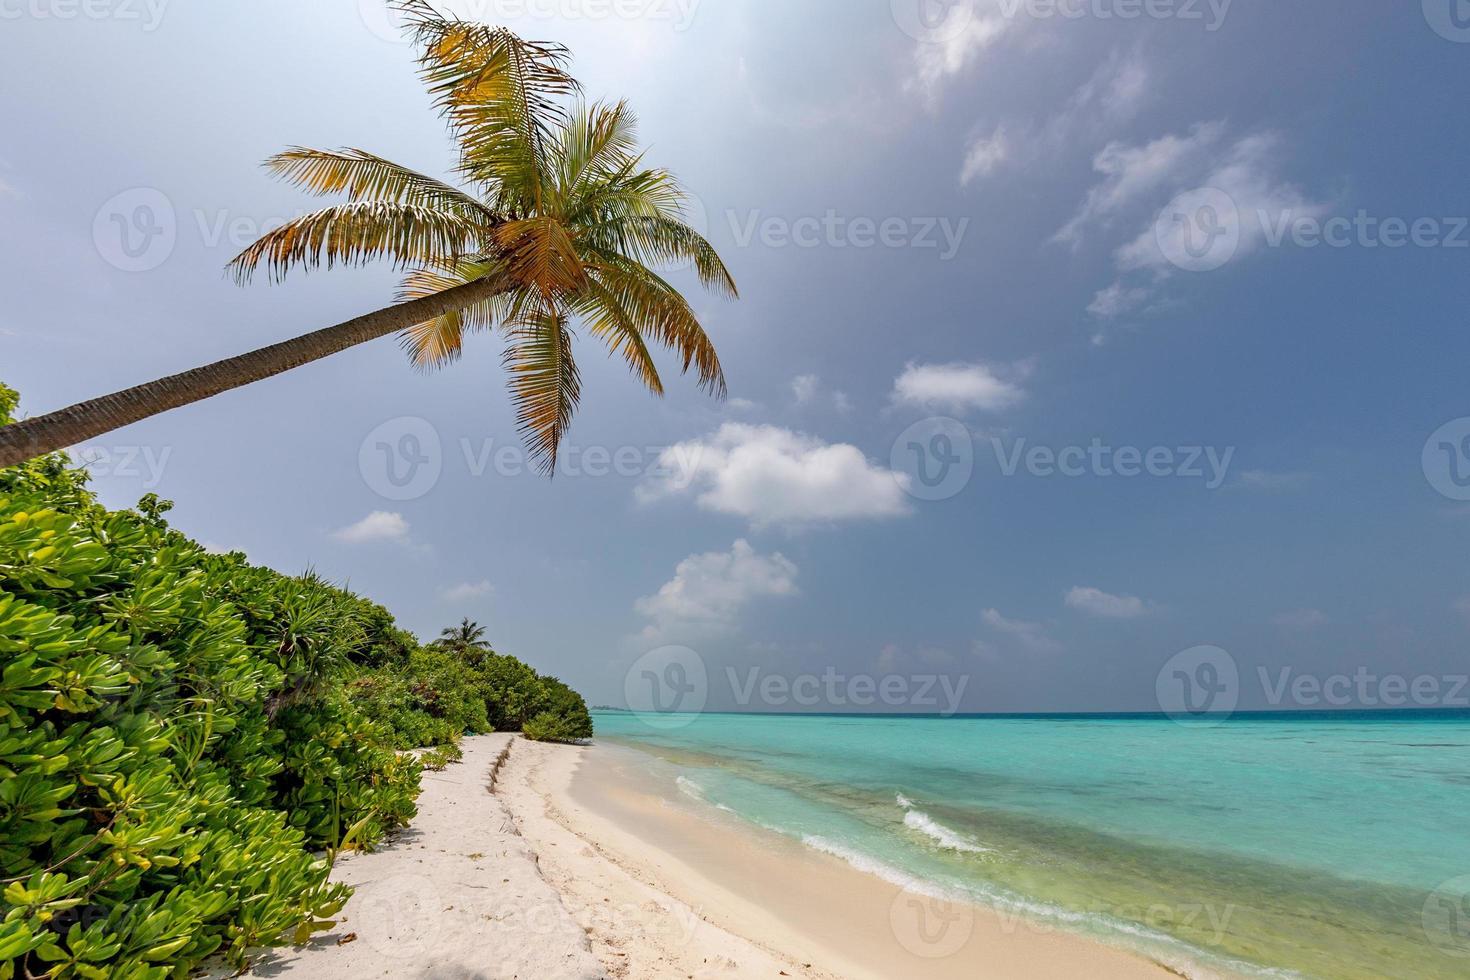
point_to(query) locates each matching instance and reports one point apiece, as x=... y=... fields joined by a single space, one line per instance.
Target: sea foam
x=945 y=837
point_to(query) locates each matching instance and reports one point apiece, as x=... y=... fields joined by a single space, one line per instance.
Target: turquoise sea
x=1311 y=845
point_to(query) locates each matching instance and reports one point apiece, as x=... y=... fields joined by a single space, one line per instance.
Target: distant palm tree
x=562 y=229
x=468 y=635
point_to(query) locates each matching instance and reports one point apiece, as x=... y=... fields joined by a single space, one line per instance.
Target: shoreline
x=720 y=880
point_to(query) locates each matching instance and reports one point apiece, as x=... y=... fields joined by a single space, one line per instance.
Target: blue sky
x=1222 y=247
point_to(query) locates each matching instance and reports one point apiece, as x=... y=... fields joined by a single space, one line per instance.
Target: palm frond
x=540 y=251
x=598 y=143
x=362 y=176
x=656 y=309
x=544 y=381
x=607 y=319
x=437 y=342
x=500 y=95
x=352 y=234
x=657 y=240
x=563 y=214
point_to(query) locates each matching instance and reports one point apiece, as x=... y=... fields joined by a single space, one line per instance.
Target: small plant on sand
x=441 y=757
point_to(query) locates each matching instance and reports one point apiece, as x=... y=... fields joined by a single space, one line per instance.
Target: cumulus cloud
x=960 y=386
x=773 y=476
x=1096 y=602
x=466 y=591
x=380 y=525
x=1033 y=636
x=709 y=591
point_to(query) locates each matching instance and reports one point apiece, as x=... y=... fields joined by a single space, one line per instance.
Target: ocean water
x=1310 y=846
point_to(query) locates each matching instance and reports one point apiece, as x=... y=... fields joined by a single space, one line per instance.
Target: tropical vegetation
x=561 y=226
x=186 y=740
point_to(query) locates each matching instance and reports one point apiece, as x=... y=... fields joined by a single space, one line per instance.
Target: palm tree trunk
x=33 y=437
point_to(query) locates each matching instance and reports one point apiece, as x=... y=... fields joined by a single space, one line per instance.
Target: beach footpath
x=457 y=896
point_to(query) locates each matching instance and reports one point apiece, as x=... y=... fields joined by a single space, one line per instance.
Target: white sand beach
x=456 y=895
x=572 y=869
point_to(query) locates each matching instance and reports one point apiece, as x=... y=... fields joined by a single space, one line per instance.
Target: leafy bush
x=431 y=699
x=443 y=692
x=565 y=719
x=173 y=751
x=186 y=739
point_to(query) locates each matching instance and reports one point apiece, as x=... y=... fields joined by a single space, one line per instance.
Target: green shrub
x=440 y=757
x=442 y=693
x=186 y=739
x=565 y=718
x=551 y=727
x=173 y=753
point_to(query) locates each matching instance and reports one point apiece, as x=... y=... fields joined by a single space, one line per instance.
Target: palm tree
x=562 y=229
x=468 y=635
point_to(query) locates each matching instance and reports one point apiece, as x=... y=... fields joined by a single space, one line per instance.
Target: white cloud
x=1248 y=176
x=1100 y=603
x=957 y=386
x=742 y=405
x=1117 y=88
x=1300 y=619
x=1033 y=636
x=1131 y=172
x=380 y=525
x=1116 y=300
x=1111 y=96
x=938 y=61
x=466 y=591
x=773 y=476
x=809 y=390
x=1257 y=201
x=984 y=155
x=709 y=591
